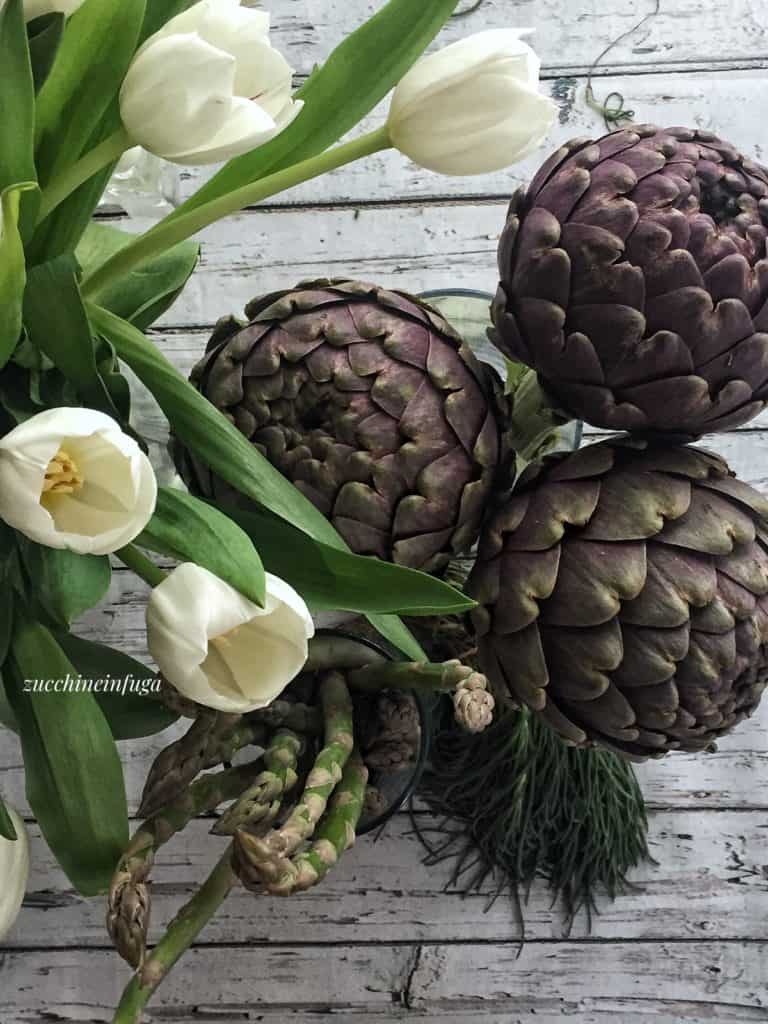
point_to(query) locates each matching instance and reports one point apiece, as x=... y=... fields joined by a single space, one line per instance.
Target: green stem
x=181 y=933
x=141 y=565
x=65 y=184
x=170 y=232
x=416 y=675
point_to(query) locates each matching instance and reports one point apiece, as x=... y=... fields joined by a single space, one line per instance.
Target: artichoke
x=634 y=279
x=371 y=404
x=623 y=593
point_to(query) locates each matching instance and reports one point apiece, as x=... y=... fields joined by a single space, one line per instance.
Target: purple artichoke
x=623 y=594
x=371 y=404
x=634 y=279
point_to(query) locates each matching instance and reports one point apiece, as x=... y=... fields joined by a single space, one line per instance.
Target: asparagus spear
x=263 y=859
x=334 y=834
x=279 y=776
x=129 y=897
x=212 y=739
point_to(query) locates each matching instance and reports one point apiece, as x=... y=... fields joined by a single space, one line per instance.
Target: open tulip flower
x=208 y=86
x=70 y=478
x=14 y=871
x=222 y=650
x=473 y=107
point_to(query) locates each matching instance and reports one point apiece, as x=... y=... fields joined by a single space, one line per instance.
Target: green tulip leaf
x=64 y=584
x=13 y=273
x=17 y=98
x=97 y=46
x=7 y=828
x=355 y=78
x=333 y=580
x=7 y=717
x=61 y=330
x=45 y=35
x=144 y=295
x=193 y=531
x=74 y=778
x=132 y=714
x=219 y=444
x=6 y=624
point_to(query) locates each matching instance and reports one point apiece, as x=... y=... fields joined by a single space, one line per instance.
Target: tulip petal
x=218 y=648
x=208 y=16
x=455 y=67
x=118 y=495
x=259 y=64
x=14 y=871
x=482 y=125
x=246 y=127
x=177 y=94
x=264 y=75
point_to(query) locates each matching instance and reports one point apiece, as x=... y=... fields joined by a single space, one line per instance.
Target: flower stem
x=141 y=565
x=182 y=932
x=170 y=232
x=65 y=184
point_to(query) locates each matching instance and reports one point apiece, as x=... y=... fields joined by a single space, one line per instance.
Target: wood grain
x=681 y=982
x=707 y=885
x=721 y=102
x=568 y=36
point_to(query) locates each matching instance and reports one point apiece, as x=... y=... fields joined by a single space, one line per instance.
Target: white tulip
x=208 y=86
x=473 y=107
x=70 y=478
x=36 y=8
x=220 y=649
x=14 y=872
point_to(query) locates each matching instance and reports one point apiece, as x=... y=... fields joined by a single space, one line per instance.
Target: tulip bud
x=473 y=107
x=220 y=649
x=36 y=8
x=14 y=872
x=208 y=86
x=70 y=478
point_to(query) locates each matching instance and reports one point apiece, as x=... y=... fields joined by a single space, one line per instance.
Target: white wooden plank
x=567 y=35
x=728 y=980
x=408 y=247
x=709 y=881
x=681 y=982
x=726 y=103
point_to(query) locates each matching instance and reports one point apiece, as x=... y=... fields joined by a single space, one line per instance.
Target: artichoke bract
x=634 y=279
x=623 y=594
x=370 y=403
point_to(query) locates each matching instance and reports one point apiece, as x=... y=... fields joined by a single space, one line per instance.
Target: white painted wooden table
x=382 y=940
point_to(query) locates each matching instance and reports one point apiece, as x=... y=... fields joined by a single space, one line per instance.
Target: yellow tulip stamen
x=62 y=475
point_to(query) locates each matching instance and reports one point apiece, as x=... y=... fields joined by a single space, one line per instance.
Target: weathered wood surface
x=723 y=102
x=568 y=36
x=382 y=940
x=707 y=885
x=714 y=981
